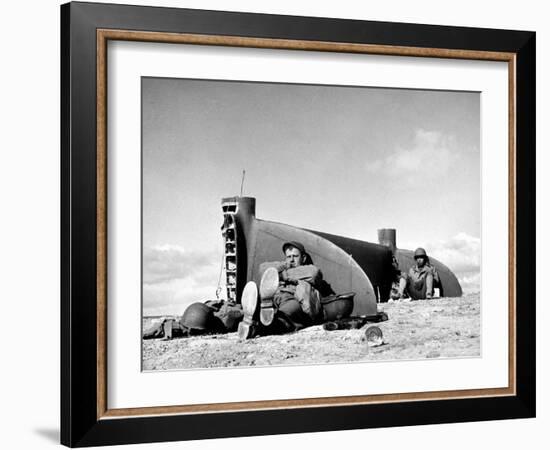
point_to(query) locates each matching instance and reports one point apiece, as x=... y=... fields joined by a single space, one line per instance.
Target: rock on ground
x=438 y=328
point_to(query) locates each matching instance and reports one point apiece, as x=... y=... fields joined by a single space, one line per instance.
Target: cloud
x=173 y=278
x=470 y=282
x=462 y=254
x=174 y=297
x=430 y=154
x=169 y=262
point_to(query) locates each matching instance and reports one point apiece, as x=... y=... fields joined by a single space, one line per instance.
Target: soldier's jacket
x=300 y=283
x=417 y=276
x=308 y=273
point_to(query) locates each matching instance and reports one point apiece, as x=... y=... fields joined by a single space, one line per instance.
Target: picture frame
x=86 y=419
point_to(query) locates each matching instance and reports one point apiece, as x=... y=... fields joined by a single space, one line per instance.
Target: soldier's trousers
x=297 y=310
x=418 y=289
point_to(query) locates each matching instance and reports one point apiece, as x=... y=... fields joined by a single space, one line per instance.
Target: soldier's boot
x=249 y=302
x=400 y=294
x=429 y=286
x=268 y=286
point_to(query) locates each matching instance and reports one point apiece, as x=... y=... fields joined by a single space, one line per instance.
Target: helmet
x=197 y=316
x=420 y=252
x=294 y=244
x=336 y=307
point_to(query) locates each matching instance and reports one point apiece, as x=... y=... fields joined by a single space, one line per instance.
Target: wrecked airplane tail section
x=339 y=268
x=250 y=242
x=347 y=264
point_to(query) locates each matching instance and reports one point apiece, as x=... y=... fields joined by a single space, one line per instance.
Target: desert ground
x=438 y=328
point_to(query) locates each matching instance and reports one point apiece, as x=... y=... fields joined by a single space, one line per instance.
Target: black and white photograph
x=299 y=224
x=276 y=225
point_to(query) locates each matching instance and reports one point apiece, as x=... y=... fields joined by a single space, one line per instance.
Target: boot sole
x=268 y=286
x=249 y=303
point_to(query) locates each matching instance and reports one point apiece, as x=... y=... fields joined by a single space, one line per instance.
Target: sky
x=343 y=160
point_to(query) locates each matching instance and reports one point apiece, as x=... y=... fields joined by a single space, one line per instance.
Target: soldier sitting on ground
x=290 y=294
x=420 y=280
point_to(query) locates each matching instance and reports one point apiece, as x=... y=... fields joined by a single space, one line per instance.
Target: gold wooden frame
x=104 y=35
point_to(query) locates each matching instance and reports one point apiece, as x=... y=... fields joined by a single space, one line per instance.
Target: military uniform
x=298 y=295
x=420 y=281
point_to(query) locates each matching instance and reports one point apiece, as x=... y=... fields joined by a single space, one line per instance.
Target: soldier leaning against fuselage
x=290 y=295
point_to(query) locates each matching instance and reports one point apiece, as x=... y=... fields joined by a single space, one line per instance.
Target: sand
x=438 y=328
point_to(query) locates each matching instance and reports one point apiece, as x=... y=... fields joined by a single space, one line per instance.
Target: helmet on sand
x=420 y=252
x=336 y=307
x=197 y=316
